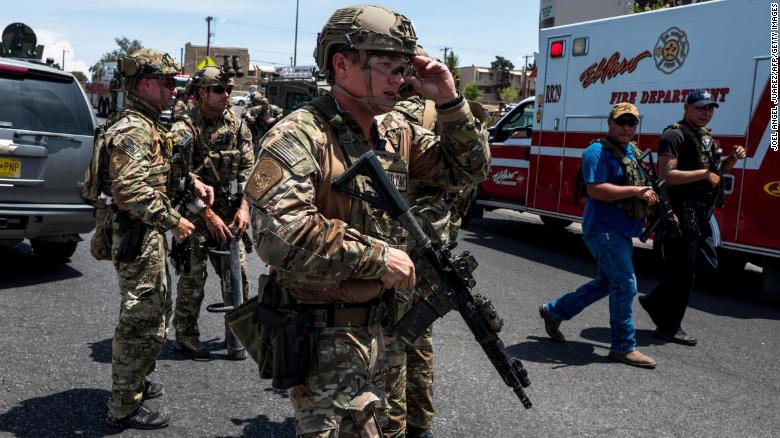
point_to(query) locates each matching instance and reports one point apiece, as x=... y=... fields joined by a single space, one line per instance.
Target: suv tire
x=555 y=222
x=53 y=252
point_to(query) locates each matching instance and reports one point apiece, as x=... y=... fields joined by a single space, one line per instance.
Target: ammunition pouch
x=226 y=163
x=492 y=319
x=132 y=231
x=100 y=243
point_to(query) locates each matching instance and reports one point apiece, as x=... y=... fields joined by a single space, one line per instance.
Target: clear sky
x=85 y=29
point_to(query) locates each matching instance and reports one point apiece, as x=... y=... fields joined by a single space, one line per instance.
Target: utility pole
x=295 y=47
x=524 y=78
x=63 y=59
x=208 y=35
x=445 y=49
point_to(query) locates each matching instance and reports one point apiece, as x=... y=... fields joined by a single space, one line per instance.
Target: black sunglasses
x=219 y=89
x=169 y=83
x=627 y=122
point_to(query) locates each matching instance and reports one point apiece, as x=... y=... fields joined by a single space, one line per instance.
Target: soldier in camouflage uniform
x=410 y=368
x=260 y=118
x=180 y=105
x=335 y=256
x=222 y=158
x=137 y=177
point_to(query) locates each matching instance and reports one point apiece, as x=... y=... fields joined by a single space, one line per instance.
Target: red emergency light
x=556 y=49
x=12 y=69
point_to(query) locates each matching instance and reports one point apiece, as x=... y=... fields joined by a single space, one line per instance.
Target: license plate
x=10 y=167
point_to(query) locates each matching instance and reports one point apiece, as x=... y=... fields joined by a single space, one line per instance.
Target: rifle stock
x=453 y=281
x=664 y=211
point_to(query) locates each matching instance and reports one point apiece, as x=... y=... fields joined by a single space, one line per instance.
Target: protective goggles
x=391 y=66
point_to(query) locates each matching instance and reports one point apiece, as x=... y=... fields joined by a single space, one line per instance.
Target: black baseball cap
x=700 y=97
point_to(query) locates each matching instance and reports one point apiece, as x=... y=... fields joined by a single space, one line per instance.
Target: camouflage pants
x=144 y=316
x=409 y=384
x=419 y=382
x=190 y=287
x=343 y=394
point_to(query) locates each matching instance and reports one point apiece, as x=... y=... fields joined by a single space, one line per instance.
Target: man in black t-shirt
x=687 y=155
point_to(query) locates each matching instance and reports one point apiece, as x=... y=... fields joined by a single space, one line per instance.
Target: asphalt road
x=57 y=323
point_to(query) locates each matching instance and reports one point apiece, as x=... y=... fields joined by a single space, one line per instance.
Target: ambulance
x=653 y=60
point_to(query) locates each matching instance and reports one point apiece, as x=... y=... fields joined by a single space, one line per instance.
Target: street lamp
x=295 y=47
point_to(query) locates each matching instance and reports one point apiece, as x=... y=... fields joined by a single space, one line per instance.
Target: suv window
x=41 y=103
x=522 y=119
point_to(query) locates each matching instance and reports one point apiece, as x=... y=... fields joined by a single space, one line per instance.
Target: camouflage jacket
x=261 y=116
x=318 y=239
x=138 y=168
x=221 y=153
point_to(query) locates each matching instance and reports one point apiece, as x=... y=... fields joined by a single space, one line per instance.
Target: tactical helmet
x=147 y=62
x=256 y=96
x=365 y=27
x=419 y=51
x=211 y=76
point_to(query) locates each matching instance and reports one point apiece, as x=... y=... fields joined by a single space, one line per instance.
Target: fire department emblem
x=671 y=50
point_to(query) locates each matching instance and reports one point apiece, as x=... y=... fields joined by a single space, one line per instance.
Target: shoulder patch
x=130 y=146
x=290 y=152
x=119 y=161
x=265 y=175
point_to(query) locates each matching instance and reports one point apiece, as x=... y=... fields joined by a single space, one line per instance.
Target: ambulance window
x=579 y=47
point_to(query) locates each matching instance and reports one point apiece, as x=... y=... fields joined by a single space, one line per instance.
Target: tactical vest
x=702 y=140
x=634 y=208
x=98 y=181
x=363 y=217
x=220 y=147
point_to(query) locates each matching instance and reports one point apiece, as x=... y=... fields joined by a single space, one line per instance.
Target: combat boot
x=192 y=348
x=152 y=390
x=142 y=418
x=416 y=432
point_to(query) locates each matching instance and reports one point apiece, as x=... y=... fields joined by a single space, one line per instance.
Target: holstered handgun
x=292 y=345
x=133 y=232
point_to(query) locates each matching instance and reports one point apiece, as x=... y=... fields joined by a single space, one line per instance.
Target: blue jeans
x=615 y=278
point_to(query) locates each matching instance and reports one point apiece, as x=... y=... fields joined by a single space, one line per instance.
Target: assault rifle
x=453 y=282
x=703 y=226
x=181 y=190
x=664 y=212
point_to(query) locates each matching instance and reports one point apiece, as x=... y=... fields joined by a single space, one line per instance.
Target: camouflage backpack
x=95 y=183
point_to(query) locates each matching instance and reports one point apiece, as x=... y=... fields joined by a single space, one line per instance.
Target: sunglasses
x=169 y=83
x=219 y=89
x=626 y=122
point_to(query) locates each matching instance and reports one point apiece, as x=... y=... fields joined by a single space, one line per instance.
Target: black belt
x=339 y=314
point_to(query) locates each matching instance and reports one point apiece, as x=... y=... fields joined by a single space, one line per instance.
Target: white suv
x=46 y=131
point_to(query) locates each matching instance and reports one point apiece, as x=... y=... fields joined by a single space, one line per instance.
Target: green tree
x=508 y=94
x=80 y=76
x=451 y=61
x=502 y=66
x=126 y=46
x=471 y=91
x=638 y=6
